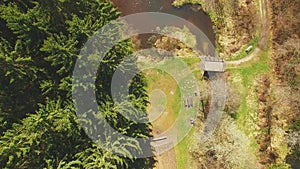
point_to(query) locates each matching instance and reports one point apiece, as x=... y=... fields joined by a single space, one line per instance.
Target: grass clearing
x=248 y=74
x=182 y=150
x=243 y=77
x=161 y=82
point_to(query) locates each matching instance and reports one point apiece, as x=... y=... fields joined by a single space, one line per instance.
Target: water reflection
x=188 y=12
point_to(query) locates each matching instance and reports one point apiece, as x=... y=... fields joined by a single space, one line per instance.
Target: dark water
x=188 y=12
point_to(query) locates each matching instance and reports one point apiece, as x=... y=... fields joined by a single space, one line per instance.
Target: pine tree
x=41 y=139
x=39 y=44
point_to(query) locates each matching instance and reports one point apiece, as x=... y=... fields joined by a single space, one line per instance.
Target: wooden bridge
x=213 y=64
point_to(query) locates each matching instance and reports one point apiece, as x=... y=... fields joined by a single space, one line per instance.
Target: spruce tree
x=39 y=44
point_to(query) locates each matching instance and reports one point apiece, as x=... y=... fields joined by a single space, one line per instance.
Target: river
x=189 y=12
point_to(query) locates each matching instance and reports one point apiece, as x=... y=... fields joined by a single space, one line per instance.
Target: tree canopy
x=39 y=44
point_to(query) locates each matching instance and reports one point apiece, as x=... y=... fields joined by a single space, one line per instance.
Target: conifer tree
x=39 y=44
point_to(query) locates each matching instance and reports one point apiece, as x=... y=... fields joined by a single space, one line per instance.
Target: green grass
x=191 y=61
x=246 y=116
x=159 y=79
x=183 y=156
x=248 y=74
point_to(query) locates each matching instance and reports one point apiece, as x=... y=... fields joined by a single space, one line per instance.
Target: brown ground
x=165 y=153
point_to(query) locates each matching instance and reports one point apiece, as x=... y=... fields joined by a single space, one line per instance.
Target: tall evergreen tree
x=39 y=44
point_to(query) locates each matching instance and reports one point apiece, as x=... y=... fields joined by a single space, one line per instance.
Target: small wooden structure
x=188 y=102
x=159 y=138
x=213 y=64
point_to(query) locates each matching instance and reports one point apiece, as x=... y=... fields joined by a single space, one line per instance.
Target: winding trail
x=263 y=39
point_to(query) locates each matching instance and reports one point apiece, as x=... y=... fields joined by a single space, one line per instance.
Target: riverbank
x=235 y=22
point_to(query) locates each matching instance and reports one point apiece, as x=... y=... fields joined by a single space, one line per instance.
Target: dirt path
x=263 y=39
x=165 y=153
